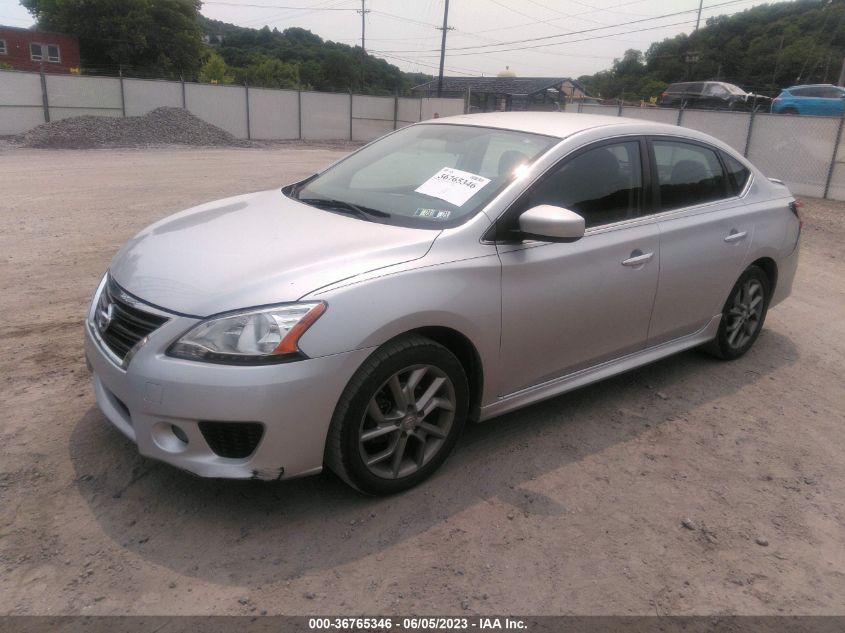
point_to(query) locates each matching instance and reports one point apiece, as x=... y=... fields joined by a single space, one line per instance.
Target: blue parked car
x=816 y=100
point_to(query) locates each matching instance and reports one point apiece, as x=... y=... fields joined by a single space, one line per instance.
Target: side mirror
x=551 y=224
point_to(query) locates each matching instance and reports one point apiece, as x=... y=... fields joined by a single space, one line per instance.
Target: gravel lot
x=573 y=506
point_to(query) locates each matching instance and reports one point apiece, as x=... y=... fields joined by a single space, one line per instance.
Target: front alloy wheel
x=399 y=417
x=407 y=421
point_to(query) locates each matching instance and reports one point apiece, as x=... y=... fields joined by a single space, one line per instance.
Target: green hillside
x=761 y=49
x=312 y=62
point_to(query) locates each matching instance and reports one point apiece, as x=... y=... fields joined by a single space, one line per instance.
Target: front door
x=567 y=306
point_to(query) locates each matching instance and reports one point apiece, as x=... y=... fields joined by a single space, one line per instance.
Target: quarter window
x=687 y=174
x=35 y=52
x=737 y=173
x=603 y=184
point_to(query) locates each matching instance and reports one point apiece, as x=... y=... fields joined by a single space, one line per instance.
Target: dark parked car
x=818 y=100
x=712 y=95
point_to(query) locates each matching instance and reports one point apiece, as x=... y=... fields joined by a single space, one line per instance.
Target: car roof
x=813 y=86
x=558 y=124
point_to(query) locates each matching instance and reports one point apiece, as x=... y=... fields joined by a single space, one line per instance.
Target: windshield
x=430 y=176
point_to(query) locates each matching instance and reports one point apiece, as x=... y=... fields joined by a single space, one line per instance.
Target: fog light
x=169 y=437
x=179 y=433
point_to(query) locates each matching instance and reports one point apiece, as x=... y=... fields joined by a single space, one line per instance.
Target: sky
x=485 y=36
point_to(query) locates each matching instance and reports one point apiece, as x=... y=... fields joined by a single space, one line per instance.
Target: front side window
x=35 y=52
x=604 y=185
x=687 y=174
x=428 y=176
x=53 y=54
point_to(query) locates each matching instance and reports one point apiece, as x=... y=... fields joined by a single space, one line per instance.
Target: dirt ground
x=573 y=506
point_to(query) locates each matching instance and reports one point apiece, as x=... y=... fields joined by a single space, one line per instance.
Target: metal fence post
x=299 y=111
x=580 y=104
x=619 y=108
x=184 y=100
x=350 y=115
x=44 y=101
x=748 y=136
x=833 y=158
x=248 y=123
x=395 y=109
x=680 y=114
x=420 y=119
x=122 y=94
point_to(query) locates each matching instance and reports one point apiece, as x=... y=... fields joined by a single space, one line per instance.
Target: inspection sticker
x=434 y=214
x=453 y=185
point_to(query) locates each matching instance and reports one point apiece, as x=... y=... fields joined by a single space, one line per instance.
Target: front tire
x=743 y=315
x=399 y=417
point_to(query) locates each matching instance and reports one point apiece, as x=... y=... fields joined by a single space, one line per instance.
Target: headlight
x=256 y=337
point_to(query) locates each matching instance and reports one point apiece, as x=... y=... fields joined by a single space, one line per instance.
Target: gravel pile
x=162 y=126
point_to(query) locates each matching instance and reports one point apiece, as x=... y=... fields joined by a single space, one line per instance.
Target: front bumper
x=293 y=401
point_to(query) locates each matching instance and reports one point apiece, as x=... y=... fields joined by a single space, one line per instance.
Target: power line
x=591 y=30
x=277 y=6
x=585 y=39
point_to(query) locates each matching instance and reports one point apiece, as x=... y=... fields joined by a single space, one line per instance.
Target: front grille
x=232 y=439
x=128 y=322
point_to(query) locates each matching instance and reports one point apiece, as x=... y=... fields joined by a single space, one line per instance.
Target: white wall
x=20 y=102
x=143 y=95
x=325 y=116
x=223 y=106
x=273 y=114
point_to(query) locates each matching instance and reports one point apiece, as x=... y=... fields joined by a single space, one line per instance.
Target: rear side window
x=604 y=184
x=738 y=174
x=687 y=174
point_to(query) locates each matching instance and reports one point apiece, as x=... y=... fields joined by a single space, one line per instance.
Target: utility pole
x=445 y=28
x=698 y=19
x=364 y=11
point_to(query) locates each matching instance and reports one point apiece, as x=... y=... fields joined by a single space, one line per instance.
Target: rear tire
x=743 y=315
x=399 y=417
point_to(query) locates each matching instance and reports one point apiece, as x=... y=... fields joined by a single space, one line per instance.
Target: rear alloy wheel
x=399 y=417
x=743 y=315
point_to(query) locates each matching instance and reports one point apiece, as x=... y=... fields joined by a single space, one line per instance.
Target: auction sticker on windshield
x=453 y=185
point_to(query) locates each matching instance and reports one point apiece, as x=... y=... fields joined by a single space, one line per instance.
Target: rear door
x=566 y=306
x=704 y=234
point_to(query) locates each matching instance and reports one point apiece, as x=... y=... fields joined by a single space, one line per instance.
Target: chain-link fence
x=804 y=151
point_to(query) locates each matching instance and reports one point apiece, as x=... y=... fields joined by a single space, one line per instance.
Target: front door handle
x=735 y=236
x=637 y=258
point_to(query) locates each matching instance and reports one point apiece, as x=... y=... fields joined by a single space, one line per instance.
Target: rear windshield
x=431 y=176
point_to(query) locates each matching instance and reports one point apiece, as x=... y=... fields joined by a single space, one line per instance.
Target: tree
x=762 y=49
x=146 y=36
x=215 y=71
x=266 y=72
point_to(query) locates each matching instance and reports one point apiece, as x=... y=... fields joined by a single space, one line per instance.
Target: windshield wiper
x=342 y=205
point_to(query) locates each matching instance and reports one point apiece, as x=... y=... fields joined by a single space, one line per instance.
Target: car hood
x=255 y=249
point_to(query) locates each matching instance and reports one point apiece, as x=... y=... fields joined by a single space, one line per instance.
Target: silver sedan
x=453 y=270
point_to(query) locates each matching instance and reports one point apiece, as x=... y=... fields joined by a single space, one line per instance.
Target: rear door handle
x=736 y=236
x=637 y=258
